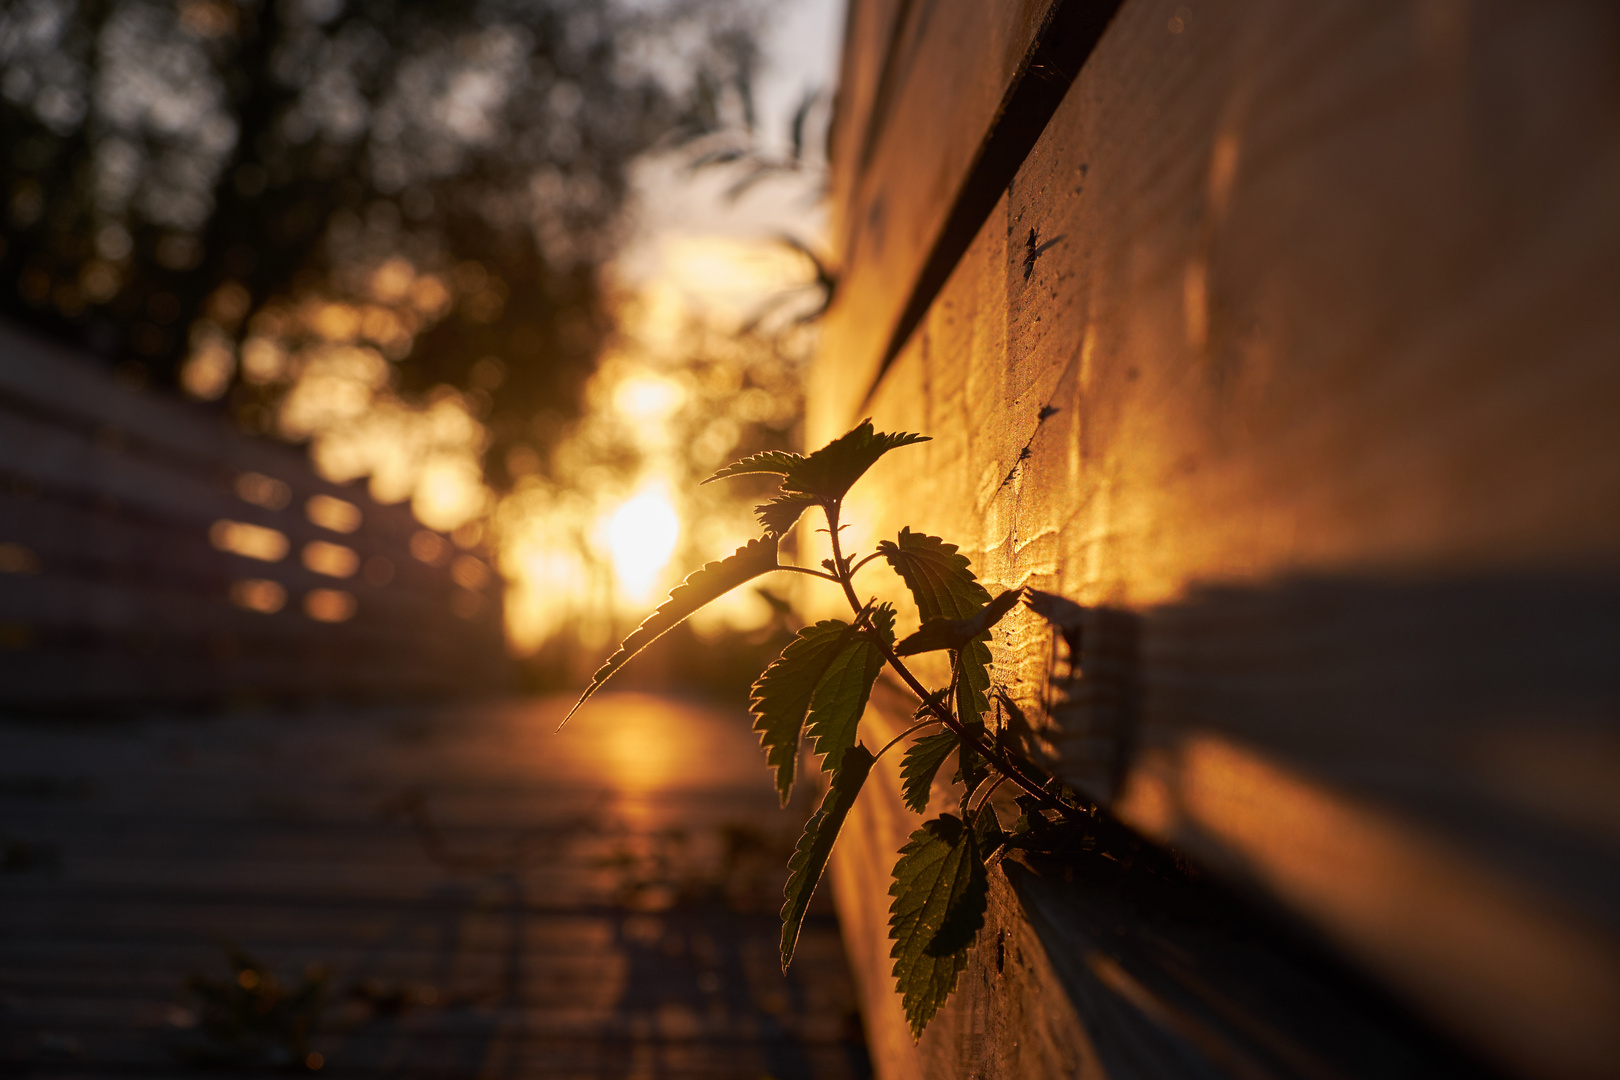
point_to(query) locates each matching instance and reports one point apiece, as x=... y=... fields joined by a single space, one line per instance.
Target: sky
x=673 y=206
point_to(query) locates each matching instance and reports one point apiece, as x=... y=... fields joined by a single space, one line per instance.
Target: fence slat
x=113 y=588
x=1271 y=356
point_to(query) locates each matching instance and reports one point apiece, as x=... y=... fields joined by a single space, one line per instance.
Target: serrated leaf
x=777 y=462
x=940 y=894
x=780 y=514
x=815 y=845
x=829 y=472
x=939 y=577
x=933 y=635
x=970 y=769
x=926 y=706
x=987 y=832
x=920 y=765
x=944 y=587
x=840 y=697
x=956 y=633
x=701 y=587
x=782 y=695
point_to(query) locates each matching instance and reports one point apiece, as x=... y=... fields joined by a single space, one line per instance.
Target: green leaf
x=926 y=706
x=987 y=833
x=779 y=462
x=956 y=633
x=840 y=698
x=940 y=894
x=938 y=576
x=780 y=514
x=700 y=587
x=783 y=694
x=933 y=635
x=815 y=846
x=970 y=769
x=944 y=588
x=829 y=472
x=919 y=766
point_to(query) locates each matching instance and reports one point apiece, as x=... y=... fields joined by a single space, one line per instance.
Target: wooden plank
x=1315 y=337
x=944 y=75
x=540 y=961
x=122 y=596
x=39 y=456
x=47 y=387
x=869 y=34
x=1110 y=962
x=72 y=391
x=81 y=546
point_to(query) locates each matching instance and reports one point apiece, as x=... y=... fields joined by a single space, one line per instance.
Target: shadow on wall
x=1385 y=757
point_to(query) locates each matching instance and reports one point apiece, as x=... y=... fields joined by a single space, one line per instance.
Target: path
x=474 y=896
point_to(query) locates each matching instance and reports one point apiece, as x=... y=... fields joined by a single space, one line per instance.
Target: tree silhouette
x=175 y=169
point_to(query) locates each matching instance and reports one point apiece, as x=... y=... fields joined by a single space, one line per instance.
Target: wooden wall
x=118 y=587
x=1291 y=348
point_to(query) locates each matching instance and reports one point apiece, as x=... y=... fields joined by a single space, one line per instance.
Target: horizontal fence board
x=89 y=614
x=1293 y=351
x=869 y=33
x=1084 y=968
x=36 y=456
x=946 y=70
x=53 y=380
x=113 y=590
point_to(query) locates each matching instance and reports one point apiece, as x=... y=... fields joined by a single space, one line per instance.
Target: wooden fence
x=151 y=554
x=1284 y=340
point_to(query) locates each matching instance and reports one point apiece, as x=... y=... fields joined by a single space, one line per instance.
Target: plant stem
x=862 y=562
x=840 y=567
x=991 y=790
x=890 y=744
x=805 y=570
x=992 y=753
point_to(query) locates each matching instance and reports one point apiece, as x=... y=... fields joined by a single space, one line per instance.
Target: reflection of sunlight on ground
x=596 y=902
x=642 y=744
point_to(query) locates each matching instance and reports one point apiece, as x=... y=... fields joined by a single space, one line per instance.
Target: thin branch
x=991 y=790
x=840 y=567
x=863 y=562
x=991 y=752
x=914 y=727
x=807 y=570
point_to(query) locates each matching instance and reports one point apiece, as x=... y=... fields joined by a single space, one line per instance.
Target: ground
x=453 y=891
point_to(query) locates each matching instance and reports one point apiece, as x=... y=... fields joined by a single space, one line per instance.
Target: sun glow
x=648 y=399
x=641 y=535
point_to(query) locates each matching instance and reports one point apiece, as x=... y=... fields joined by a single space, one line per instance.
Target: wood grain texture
x=113 y=592
x=945 y=69
x=483 y=895
x=1113 y=961
x=1323 y=299
x=869 y=32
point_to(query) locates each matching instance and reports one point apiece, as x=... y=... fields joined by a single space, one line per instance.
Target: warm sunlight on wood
x=333 y=560
x=330 y=605
x=258 y=594
x=641 y=535
x=334 y=514
x=252 y=541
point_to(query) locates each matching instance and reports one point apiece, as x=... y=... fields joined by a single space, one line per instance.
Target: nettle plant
x=818 y=689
